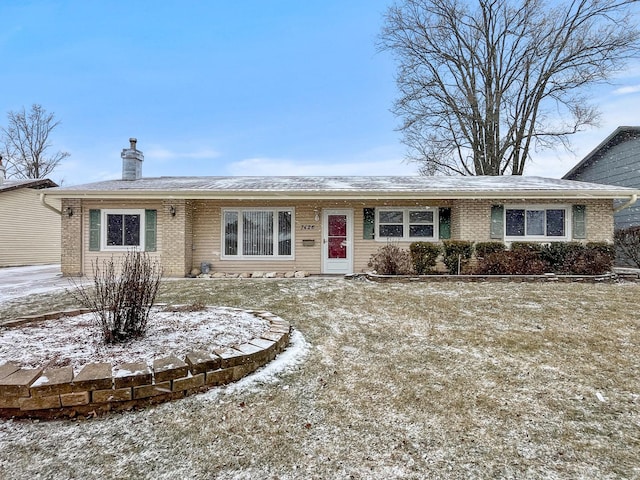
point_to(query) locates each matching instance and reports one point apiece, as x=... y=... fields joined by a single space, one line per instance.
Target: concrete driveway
x=16 y=282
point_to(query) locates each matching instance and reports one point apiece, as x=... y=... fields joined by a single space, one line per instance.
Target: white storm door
x=337 y=241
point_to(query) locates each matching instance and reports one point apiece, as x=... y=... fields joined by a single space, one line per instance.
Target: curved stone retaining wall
x=99 y=387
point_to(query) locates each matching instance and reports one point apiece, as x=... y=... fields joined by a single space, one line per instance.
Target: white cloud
x=166 y=154
x=277 y=166
x=627 y=90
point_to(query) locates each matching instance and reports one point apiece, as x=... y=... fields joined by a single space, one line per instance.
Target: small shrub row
x=455 y=255
x=421 y=258
x=524 y=258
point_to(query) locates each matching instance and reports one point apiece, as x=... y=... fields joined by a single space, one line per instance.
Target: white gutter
x=631 y=201
x=50 y=207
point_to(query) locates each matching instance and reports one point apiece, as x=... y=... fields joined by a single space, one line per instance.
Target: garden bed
x=51 y=367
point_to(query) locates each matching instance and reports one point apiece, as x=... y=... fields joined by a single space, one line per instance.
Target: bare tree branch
x=25 y=143
x=484 y=83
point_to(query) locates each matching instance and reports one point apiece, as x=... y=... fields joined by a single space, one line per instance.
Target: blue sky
x=278 y=87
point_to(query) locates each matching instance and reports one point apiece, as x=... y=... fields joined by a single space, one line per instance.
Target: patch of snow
x=17 y=282
x=285 y=362
x=40 y=381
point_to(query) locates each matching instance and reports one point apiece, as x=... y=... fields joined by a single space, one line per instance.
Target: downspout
x=50 y=207
x=631 y=201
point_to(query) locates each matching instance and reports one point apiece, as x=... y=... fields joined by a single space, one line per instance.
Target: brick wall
x=471 y=218
x=177 y=237
x=71 y=251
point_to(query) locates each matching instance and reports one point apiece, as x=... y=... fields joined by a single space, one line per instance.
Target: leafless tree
x=484 y=83
x=25 y=143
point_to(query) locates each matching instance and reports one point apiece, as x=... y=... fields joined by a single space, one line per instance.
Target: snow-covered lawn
x=447 y=380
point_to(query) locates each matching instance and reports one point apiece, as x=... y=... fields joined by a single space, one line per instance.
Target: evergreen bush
x=484 y=249
x=424 y=256
x=512 y=262
x=456 y=255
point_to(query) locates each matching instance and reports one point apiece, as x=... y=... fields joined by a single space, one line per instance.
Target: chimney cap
x=132 y=142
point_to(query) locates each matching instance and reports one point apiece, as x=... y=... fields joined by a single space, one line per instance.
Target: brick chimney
x=131 y=161
x=3 y=171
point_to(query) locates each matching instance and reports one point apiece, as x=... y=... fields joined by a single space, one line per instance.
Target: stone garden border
x=99 y=388
x=549 y=277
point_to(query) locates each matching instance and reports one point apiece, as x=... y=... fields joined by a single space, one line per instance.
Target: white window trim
x=406 y=223
x=526 y=238
x=275 y=256
x=103 y=229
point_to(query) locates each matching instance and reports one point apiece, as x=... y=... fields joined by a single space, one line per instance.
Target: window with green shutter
x=369 y=223
x=122 y=229
x=150 y=235
x=444 y=230
x=94 y=230
x=579 y=221
x=497 y=222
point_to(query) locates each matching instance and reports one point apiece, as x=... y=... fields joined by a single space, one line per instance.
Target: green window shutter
x=150 y=235
x=497 y=222
x=369 y=223
x=579 y=219
x=94 y=230
x=444 y=216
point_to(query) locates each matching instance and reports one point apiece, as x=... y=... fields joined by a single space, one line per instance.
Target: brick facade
x=189 y=232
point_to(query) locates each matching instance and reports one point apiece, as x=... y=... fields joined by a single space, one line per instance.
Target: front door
x=337 y=241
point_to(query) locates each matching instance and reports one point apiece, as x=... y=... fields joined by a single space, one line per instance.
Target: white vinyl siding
x=30 y=233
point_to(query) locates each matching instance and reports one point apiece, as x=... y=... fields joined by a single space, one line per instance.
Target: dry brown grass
x=402 y=381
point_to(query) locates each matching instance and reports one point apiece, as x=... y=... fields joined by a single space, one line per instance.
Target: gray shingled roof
x=342 y=187
x=8 y=185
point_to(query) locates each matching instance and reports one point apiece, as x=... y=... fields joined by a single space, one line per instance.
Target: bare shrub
x=627 y=242
x=391 y=260
x=121 y=298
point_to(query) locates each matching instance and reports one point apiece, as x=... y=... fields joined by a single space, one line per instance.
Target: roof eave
x=342 y=195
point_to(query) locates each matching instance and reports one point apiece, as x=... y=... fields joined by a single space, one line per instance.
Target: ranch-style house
x=320 y=225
